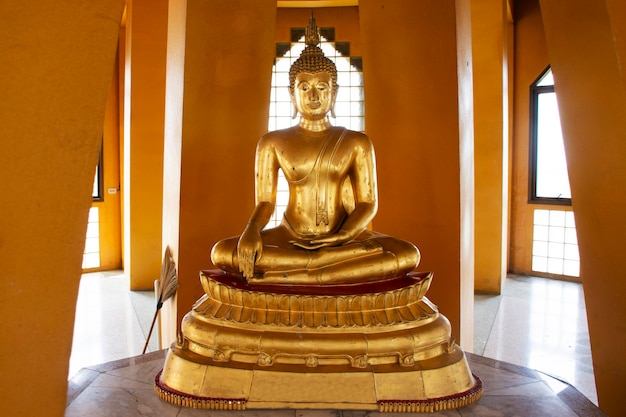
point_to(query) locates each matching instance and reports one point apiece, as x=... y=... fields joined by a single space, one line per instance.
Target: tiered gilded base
x=374 y=346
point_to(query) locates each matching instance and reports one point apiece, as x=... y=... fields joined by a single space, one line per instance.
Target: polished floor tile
x=540 y=324
x=111 y=322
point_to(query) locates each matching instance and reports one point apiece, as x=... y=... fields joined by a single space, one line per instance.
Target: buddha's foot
x=335 y=254
x=372 y=267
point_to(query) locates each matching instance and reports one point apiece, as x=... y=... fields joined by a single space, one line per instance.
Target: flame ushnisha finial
x=312 y=58
x=311 y=33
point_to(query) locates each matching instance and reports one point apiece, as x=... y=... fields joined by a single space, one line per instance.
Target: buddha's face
x=313 y=94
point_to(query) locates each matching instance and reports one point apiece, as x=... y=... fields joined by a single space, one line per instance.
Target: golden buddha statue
x=319 y=312
x=333 y=197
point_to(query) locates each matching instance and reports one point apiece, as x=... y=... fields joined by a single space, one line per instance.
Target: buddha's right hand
x=249 y=250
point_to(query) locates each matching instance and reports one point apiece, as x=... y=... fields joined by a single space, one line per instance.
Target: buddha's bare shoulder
x=276 y=137
x=354 y=135
x=358 y=139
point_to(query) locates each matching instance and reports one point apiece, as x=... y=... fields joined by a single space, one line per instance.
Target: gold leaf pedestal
x=373 y=346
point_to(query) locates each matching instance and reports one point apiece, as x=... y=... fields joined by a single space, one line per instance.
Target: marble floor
x=540 y=324
x=535 y=330
x=111 y=322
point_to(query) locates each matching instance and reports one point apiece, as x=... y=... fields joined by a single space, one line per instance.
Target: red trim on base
x=237 y=281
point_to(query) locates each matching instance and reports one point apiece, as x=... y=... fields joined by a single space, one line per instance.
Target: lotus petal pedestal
x=372 y=346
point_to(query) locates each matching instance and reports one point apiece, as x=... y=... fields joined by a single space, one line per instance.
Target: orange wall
x=146 y=34
x=491 y=139
x=54 y=93
x=531 y=58
x=585 y=43
x=467 y=178
x=411 y=90
x=172 y=147
x=228 y=54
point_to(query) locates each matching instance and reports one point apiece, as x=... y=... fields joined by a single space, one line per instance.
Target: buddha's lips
x=314 y=104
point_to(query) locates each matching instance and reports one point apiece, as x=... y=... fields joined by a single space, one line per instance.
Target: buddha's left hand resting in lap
x=331 y=171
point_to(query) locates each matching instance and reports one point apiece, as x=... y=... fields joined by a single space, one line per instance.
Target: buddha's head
x=312 y=60
x=313 y=74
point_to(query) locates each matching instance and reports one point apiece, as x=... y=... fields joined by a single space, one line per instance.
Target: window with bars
x=349 y=104
x=91 y=254
x=555 y=245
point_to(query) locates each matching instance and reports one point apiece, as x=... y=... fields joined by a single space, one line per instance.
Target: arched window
x=349 y=106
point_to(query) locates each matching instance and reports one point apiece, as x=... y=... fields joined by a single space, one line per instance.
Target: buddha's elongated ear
x=332 y=103
x=293 y=103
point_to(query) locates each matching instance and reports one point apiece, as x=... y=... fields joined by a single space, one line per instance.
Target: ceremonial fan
x=168 y=283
